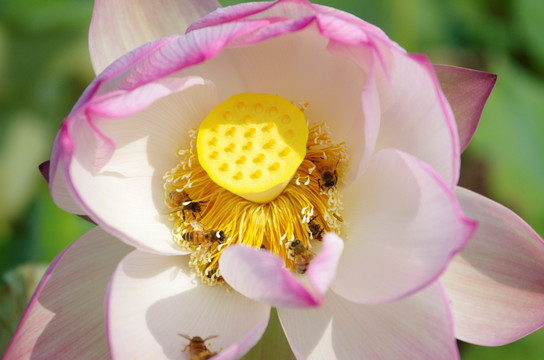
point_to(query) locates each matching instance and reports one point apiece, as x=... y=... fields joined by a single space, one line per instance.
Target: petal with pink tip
x=467 y=92
x=121 y=145
x=261 y=275
x=120 y=26
x=417 y=327
x=152 y=299
x=496 y=284
x=65 y=317
x=405 y=225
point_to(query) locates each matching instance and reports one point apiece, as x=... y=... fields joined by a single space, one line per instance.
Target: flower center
x=252 y=145
x=258 y=176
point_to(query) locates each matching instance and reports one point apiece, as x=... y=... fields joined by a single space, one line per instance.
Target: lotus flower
x=274 y=154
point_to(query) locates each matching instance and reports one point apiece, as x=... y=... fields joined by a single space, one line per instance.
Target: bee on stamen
x=327 y=171
x=301 y=256
x=197 y=347
x=315 y=229
x=199 y=235
x=183 y=200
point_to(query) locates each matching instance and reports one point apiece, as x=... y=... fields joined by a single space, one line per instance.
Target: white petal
x=153 y=298
x=65 y=317
x=496 y=283
x=122 y=151
x=417 y=327
x=404 y=226
x=120 y=26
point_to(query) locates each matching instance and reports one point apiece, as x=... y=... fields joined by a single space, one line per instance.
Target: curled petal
x=405 y=226
x=496 y=283
x=417 y=327
x=121 y=146
x=152 y=299
x=65 y=317
x=467 y=92
x=261 y=275
x=120 y=26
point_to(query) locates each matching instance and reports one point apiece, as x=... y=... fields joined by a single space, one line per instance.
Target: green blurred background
x=44 y=67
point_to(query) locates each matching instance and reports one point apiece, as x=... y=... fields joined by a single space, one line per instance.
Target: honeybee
x=315 y=229
x=301 y=256
x=197 y=347
x=199 y=235
x=327 y=170
x=183 y=200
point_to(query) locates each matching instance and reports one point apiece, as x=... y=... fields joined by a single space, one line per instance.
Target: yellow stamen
x=282 y=127
x=200 y=208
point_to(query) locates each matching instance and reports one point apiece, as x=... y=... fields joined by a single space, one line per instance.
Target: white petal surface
x=262 y=276
x=330 y=82
x=121 y=153
x=418 y=119
x=417 y=327
x=153 y=298
x=119 y=26
x=404 y=227
x=65 y=318
x=496 y=283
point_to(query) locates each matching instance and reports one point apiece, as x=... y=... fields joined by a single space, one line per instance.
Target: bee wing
x=196 y=225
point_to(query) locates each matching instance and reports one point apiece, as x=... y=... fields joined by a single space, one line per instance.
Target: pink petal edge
x=120 y=26
x=57 y=323
x=261 y=275
x=495 y=284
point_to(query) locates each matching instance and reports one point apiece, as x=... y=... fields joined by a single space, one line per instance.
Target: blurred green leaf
x=510 y=139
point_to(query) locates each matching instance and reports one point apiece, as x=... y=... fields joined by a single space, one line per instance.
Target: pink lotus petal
x=120 y=26
x=417 y=327
x=261 y=275
x=65 y=317
x=120 y=146
x=417 y=118
x=405 y=225
x=467 y=92
x=496 y=284
x=153 y=298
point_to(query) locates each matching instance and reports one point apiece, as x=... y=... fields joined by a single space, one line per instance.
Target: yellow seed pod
x=252 y=145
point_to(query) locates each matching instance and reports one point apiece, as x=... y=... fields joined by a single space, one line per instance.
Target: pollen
x=207 y=217
x=272 y=123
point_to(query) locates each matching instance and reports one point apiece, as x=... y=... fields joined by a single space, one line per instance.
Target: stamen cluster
x=207 y=218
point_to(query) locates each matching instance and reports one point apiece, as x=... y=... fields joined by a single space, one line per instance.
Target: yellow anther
x=224 y=167
x=265 y=119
